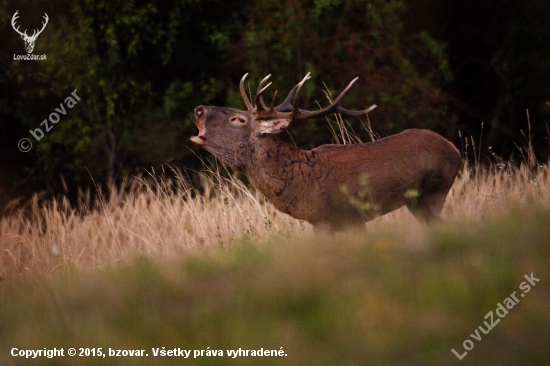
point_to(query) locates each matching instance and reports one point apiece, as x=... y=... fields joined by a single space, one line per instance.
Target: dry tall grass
x=165 y=217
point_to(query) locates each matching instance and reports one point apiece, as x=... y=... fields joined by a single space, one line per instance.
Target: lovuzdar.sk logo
x=29 y=40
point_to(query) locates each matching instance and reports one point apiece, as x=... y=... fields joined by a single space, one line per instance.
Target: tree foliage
x=137 y=72
x=141 y=66
x=337 y=40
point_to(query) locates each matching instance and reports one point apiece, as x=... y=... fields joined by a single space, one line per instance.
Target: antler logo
x=29 y=40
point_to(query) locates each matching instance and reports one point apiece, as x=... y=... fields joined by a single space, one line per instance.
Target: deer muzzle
x=201 y=138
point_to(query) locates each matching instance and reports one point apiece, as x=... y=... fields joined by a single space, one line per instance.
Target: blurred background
x=467 y=69
x=100 y=260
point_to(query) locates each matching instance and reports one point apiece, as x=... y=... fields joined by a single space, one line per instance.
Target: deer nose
x=199 y=111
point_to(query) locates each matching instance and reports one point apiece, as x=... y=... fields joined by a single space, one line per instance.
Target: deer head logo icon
x=29 y=40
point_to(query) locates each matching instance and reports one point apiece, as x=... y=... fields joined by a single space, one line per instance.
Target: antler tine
x=286 y=106
x=299 y=86
x=272 y=101
x=260 y=86
x=46 y=18
x=13 y=20
x=249 y=105
x=259 y=102
x=343 y=93
x=348 y=112
x=334 y=107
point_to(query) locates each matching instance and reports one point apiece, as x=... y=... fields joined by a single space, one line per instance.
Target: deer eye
x=240 y=119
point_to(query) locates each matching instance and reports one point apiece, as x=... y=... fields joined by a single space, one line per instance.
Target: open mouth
x=200 y=139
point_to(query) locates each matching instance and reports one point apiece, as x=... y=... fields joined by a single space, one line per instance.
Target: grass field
x=154 y=265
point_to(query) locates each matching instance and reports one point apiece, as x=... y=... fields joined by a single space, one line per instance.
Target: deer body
x=333 y=186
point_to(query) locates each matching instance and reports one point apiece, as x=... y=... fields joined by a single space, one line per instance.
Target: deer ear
x=274 y=125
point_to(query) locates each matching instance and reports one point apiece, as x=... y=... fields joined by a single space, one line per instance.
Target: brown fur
x=335 y=186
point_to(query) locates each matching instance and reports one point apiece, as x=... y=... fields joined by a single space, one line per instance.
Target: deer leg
x=427 y=209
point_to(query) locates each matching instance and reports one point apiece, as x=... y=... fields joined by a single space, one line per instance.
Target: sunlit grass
x=155 y=263
x=162 y=217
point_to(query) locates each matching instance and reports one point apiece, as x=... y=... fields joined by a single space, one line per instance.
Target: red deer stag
x=332 y=186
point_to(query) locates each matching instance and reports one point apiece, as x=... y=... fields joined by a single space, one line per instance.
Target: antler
x=13 y=19
x=288 y=109
x=334 y=107
x=249 y=105
x=286 y=105
x=43 y=26
x=35 y=34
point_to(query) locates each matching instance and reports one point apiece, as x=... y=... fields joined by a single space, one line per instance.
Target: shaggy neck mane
x=282 y=172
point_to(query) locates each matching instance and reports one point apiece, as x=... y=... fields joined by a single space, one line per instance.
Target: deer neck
x=282 y=173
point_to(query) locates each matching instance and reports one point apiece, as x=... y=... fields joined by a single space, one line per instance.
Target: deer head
x=29 y=40
x=331 y=186
x=227 y=131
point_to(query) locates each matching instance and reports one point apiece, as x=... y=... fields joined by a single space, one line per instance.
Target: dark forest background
x=466 y=69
